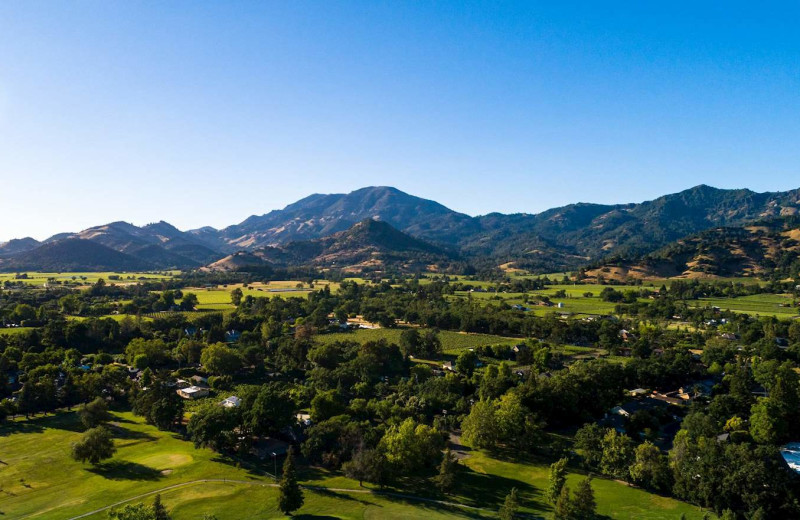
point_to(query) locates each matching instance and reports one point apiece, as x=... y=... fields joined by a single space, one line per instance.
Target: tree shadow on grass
x=453 y=511
x=12 y=427
x=120 y=432
x=338 y=495
x=126 y=470
x=489 y=490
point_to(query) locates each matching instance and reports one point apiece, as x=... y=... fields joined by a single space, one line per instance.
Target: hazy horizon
x=203 y=113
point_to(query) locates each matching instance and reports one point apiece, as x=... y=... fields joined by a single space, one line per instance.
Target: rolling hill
x=754 y=249
x=73 y=254
x=558 y=239
x=18 y=245
x=368 y=245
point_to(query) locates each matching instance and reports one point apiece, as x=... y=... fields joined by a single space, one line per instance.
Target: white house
x=192 y=392
x=231 y=402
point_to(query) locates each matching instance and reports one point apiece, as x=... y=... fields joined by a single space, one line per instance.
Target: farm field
x=573 y=305
x=36 y=278
x=39 y=480
x=762 y=304
x=219 y=297
x=452 y=342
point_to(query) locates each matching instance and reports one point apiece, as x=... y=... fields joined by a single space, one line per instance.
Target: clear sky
x=205 y=113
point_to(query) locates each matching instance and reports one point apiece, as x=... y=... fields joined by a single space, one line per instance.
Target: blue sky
x=205 y=113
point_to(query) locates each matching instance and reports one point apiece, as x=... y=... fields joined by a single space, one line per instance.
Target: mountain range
x=319 y=230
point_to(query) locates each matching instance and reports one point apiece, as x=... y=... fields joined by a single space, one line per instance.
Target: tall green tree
x=446 y=479
x=291 y=496
x=510 y=506
x=617 y=454
x=583 y=505
x=563 y=507
x=159 y=510
x=557 y=479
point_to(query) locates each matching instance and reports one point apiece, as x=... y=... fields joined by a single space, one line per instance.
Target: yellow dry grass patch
x=794 y=234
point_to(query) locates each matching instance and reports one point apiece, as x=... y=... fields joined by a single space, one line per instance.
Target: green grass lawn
x=452 y=342
x=39 y=480
x=16 y=330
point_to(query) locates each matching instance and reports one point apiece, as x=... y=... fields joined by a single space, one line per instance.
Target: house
x=303 y=418
x=199 y=380
x=730 y=336
x=448 y=365
x=638 y=392
x=668 y=399
x=231 y=402
x=182 y=383
x=192 y=392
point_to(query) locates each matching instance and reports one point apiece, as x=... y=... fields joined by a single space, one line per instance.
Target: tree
x=325 y=405
x=480 y=428
x=95 y=445
x=220 y=359
x=366 y=465
x=236 y=296
x=272 y=410
x=94 y=413
x=765 y=424
x=617 y=454
x=159 y=510
x=563 y=509
x=213 y=426
x=510 y=506
x=557 y=479
x=446 y=479
x=650 y=468
x=512 y=425
x=410 y=341
x=589 y=439
x=291 y=496
x=189 y=302
x=132 y=512
x=159 y=404
x=465 y=362
x=411 y=446
x=583 y=505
